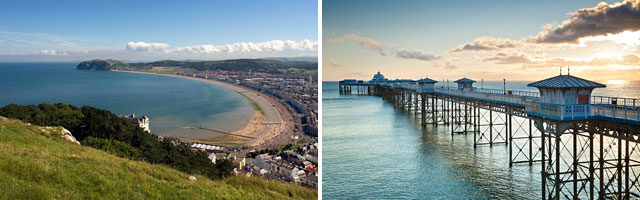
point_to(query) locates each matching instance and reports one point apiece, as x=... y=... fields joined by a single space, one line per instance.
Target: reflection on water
x=371 y=150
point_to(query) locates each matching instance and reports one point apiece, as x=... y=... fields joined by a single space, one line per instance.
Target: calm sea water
x=373 y=151
x=171 y=103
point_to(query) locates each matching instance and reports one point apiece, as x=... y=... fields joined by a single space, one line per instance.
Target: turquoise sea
x=370 y=150
x=171 y=103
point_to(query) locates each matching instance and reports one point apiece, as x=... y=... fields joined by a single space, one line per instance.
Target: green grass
x=36 y=164
x=169 y=70
x=299 y=71
x=256 y=107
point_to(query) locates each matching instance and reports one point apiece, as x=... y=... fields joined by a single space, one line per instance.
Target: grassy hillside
x=37 y=163
x=98 y=64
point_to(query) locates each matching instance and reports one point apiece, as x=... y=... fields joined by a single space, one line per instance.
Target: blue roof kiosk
x=465 y=84
x=426 y=85
x=563 y=98
x=379 y=79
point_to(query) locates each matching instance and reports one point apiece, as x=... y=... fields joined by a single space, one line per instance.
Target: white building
x=141 y=122
x=212 y=157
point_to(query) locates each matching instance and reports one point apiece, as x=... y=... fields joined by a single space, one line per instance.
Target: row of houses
x=208 y=147
x=297 y=166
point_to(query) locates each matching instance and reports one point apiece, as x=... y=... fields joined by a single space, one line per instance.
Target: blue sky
x=416 y=38
x=103 y=28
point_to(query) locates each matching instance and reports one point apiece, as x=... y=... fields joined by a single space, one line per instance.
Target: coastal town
x=293 y=164
x=298 y=91
x=281 y=139
x=279 y=142
x=287 y=157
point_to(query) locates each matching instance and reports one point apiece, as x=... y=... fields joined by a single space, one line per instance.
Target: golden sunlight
x=616 y=82
x=627 y=38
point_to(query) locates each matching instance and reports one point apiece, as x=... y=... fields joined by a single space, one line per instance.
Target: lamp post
x=504 y=85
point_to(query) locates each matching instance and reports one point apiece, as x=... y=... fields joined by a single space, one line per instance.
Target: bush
x=113 y=146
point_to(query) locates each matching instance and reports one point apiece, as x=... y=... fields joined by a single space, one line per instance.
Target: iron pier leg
x=591 y=169
x=544 y=172
x=601 y=165
x=575 y=161
x=490 y=127
x=510 y=135
x=423 y=113
x=626 y=168
x=619 y=167
x=530 y=143
x=557 y=172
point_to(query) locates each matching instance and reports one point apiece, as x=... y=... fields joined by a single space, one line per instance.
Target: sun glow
x=627 y=38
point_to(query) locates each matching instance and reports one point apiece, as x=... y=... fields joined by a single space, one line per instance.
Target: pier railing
x=516 y=100
x=611 y=108
x=627 y=114
x=508 y=92
x=512 y=97
x=560 y=112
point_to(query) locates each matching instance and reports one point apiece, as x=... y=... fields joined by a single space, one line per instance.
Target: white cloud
x=248 y=47
x=146 y=47
x=415 y=55
x=52 y=52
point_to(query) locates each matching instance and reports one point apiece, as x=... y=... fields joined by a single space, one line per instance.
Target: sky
x=68 y=30
x=490 y=40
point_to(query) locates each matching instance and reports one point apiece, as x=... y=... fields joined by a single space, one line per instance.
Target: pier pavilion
x=587 y=146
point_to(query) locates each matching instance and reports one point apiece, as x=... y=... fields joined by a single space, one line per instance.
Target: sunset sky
x=490 y=40
x=73 y=30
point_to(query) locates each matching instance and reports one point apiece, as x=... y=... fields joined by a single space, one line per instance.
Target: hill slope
x=98 y=64
x=37 y=163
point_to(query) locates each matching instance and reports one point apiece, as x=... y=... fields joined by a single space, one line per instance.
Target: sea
x=172 y=104
x=370 y=150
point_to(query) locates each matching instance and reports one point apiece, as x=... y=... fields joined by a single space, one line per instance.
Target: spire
x=568 y=70
x=560 y=70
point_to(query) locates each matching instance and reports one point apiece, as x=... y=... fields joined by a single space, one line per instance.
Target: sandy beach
x=270 y=128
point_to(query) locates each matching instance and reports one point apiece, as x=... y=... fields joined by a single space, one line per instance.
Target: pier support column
x=423 y=112
x=568 y=161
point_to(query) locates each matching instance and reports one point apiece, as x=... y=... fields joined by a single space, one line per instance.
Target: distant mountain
x=264 y=65
x=291 y=59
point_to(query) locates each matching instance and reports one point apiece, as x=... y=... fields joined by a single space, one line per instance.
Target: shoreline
x=264 y=125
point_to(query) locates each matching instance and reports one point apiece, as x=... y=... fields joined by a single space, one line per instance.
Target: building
x=142 y=122
x=378 y=78
x=563 y=97
x=311 y=180
x=262 y=161
x=287 y=171
x=212 y=157
x=426 y=85
x=465 y=84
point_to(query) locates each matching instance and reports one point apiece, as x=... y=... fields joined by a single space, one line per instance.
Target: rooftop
x=465 y=80
x=427 y=80
x=565 y=81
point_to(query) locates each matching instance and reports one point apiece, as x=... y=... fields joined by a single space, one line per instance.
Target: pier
x=586 y=145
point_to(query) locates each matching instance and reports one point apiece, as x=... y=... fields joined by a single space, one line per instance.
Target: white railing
x=615 y=101
x=508 y=92
x=560 y=112
x=584 y=111
x=500 y=97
